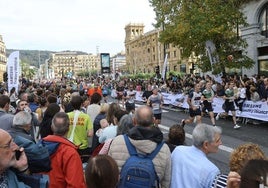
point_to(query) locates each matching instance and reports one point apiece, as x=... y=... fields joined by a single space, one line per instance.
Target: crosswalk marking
x=138 y=105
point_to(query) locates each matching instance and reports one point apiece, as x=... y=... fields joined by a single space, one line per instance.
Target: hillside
x=31 y=56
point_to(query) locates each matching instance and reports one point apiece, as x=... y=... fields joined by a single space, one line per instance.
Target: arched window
x=263 y=20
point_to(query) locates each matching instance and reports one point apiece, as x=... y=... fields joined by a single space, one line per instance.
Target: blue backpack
x=139 y=171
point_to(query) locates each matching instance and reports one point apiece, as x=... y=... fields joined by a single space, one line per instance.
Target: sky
x=79 y=25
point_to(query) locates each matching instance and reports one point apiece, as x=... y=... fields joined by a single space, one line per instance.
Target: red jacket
x=67 y=170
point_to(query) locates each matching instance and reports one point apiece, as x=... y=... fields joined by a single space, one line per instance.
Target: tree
x=191 y=23
x=26 y=70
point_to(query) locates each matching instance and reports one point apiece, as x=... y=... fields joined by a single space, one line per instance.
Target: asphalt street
x=231 y=138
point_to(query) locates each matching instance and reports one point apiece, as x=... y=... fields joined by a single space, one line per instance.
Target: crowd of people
x=71 y=125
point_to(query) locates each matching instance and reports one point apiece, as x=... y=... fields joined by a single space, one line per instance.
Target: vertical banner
x=164 y=71
x=13 y=68
x=210 y=48
x=105 y=62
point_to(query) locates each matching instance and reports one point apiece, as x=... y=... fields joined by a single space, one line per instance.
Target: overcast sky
x=80 y=25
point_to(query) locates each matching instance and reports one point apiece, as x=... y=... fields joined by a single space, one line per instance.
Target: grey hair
x=125 y=123
x=204 y=132
x=60 y=124
x=22 y=118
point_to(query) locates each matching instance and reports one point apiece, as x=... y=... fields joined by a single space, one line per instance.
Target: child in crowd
x=103 y=123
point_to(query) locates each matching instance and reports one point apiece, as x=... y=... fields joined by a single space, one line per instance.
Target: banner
x=211 y=49
x=254 y=110
x=13 y=68
x=165 y=68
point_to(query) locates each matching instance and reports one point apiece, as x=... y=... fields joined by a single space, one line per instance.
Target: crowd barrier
x=253 y=110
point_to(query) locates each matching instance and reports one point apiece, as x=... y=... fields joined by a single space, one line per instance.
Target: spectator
x=4 y=115
x=125 y=124
x=40 y=111
x=24 y=106
x=22 y=125
x=45 y=125
x=144 y=137
x=101 y=172
x=94 y=108
x=185 y=172
x=81 y=126
x=113 y=107
x=111 y=131
x=65 y=161
x=103 y=123
x=176 y=137
x=13 y=97
x=254 y=96
x=8 y=160
x=255 y=174
x=239 y=157
x=33 y=102
x=96 y=124
x=95 y=89
x=242 y=154
x=264 y=90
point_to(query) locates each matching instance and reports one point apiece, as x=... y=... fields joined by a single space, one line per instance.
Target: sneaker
x=217 y=116
x=237 y=126
x=182 y=122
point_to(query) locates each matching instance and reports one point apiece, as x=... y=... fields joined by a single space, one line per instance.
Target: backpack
x=139 y=171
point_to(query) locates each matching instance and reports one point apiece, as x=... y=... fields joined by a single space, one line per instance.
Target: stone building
x=69 y=64
x=3 y=59
x=256 y=34
x=144 y=52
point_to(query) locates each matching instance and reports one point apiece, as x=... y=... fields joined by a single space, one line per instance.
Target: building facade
x=70 y=64
x=256 y=35
x=144 y=52
x=3 y=58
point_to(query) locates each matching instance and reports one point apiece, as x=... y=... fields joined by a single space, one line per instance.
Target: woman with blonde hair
x=238 y=159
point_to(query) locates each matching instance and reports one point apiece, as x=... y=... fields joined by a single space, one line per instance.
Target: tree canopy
x=191 y=23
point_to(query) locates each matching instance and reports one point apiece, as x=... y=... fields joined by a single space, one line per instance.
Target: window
x=263 y=20
x=263 y=67
x=183 y=68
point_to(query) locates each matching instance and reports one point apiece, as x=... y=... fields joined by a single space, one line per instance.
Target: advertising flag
x=13 y=68
x=165 y=67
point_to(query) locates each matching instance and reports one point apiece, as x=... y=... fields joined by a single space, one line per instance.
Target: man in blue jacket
x=8 y=160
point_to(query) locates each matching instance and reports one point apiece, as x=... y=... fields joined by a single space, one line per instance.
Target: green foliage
x=139 y=76
x=189 y=24
x=31 y=57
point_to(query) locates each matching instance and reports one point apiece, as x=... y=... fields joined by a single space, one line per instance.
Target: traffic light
x=5 y=76
x=157 y=69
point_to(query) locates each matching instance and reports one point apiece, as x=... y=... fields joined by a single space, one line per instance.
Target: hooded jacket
x=145 y=140
x=66 y=165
